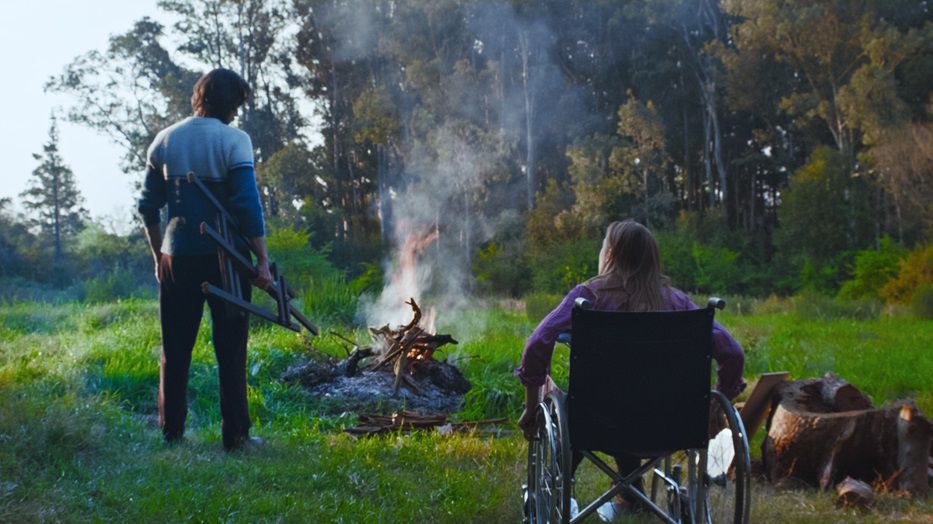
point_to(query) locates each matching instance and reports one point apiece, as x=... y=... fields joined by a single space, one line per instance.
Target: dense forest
x=775 y=146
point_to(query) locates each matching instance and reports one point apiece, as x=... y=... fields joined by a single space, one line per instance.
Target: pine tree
x=52 y=198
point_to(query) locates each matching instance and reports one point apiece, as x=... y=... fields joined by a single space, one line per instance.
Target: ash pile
x=397 y=371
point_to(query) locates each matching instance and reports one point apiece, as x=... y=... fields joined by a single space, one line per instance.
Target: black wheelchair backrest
x=640 y=382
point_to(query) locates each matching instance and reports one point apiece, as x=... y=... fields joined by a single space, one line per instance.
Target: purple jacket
x=536 y=359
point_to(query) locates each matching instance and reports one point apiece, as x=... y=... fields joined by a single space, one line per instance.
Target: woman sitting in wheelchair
x=629 y=279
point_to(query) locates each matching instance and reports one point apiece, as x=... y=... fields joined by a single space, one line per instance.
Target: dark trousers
x=181 y=306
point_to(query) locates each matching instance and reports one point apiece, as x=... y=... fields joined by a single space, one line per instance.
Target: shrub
x=502 y=269
x=873 y=269
x=560 y=266
x=291 y=250
x=118 y=283
x=715 y=269
x=914 y=272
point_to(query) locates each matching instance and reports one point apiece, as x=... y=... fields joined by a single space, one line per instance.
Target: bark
x=529 y=96
x=823 y=430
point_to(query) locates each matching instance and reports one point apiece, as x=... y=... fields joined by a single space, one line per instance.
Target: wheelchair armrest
x=716 y=303
x=582 y=303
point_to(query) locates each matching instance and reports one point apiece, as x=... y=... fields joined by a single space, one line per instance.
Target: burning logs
x=822 y=430
x=408 y=350
x=397 y=370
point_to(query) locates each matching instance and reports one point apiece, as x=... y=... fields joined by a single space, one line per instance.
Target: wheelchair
x=640 y=386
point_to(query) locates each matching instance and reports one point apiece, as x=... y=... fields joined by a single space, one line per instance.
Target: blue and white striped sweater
x=222 y=156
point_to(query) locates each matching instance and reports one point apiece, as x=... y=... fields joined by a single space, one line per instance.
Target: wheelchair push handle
x=716 y=303
x=582 y=303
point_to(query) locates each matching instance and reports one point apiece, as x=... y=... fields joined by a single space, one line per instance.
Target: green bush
x=715 y=269
x=118 y=283
x=914 y=272
x=298 y=260
x=873 y=269
x=559 y=267
x=502 y=268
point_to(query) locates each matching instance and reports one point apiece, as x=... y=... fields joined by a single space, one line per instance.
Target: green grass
x=78 y=440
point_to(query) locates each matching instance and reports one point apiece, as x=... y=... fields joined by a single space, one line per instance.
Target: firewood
x=417 y=315
x=854 y=493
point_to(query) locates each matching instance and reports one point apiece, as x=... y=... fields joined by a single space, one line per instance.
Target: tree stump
x=822 y=430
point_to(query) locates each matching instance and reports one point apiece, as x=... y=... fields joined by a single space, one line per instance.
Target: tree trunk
x=823 y=430
x=529 y=118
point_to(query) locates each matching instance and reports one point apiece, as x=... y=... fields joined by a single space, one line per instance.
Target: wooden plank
x=758 y=404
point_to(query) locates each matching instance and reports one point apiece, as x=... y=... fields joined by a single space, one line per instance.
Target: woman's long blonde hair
x=630 y=266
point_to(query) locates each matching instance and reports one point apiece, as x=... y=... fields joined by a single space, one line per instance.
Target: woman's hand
x=527 y=423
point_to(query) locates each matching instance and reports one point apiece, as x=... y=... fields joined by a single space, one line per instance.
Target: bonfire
x=408 y=350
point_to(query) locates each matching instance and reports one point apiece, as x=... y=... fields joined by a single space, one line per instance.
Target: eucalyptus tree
x=129 y=91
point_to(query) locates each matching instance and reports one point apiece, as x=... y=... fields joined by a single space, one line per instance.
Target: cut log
x=854 y=494
x=810 y=439
x=839 y=395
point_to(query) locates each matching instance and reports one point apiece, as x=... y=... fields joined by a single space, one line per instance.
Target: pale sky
x=37 y=39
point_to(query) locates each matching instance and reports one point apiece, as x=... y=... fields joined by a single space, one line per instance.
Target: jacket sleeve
x=536 y=359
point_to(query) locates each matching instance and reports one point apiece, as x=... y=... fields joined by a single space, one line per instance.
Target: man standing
x=221 y=156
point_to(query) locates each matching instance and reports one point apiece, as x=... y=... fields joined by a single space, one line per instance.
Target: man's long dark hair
x=218 y=93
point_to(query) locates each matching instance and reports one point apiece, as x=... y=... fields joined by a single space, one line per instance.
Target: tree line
x=778 y=138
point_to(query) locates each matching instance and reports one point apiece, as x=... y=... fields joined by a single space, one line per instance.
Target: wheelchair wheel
x=727 y=478
x=674 y=484
x=547 y=496
x=717 y=477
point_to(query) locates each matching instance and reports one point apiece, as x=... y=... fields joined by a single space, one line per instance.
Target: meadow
x=79 y=440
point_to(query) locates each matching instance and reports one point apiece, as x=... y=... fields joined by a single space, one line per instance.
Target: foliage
x=873 y=269
x=797 y=131
x=118 y=283
x=502 y=269
x=915 y=272
x=292 y=250
x=558 y=267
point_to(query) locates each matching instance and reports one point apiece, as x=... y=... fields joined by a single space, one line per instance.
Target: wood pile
x=407 y=421
x=823 y=430
x=407 y=351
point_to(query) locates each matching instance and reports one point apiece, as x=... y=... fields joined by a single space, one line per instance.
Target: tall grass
x=78 y=440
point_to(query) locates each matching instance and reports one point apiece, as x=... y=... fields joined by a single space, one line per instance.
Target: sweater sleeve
x=152 y=197
x=244 y=201
x=536 y=359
